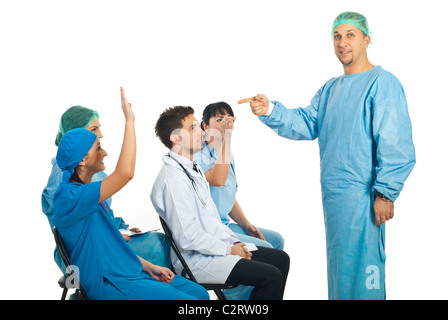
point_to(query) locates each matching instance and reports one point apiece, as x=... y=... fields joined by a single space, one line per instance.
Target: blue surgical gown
x=365 y=142
x=108 y=268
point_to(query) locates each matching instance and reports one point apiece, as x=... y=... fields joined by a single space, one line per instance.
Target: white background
x=56 y=54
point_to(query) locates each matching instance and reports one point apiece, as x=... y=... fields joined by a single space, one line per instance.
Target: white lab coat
x=202 y=238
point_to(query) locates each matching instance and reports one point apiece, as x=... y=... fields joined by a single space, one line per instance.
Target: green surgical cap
x=75 y=117
x=353 y=18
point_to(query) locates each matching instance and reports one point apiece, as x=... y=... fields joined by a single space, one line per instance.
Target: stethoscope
x=195 y=187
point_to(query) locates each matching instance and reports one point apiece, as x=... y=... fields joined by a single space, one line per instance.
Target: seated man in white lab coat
x=181 y=196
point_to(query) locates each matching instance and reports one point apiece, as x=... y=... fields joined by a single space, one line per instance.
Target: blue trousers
x=153 y=247
x=273 y=238
x=151 y=289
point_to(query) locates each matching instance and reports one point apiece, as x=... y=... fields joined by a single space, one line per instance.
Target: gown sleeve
x=294 y=124
x=392 y=133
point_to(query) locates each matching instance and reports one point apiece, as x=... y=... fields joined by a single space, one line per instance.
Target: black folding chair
x=69 y=280
x=215 y=287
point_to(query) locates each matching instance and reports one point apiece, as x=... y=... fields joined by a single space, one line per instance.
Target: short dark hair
x=170 y=120
x=215 y=109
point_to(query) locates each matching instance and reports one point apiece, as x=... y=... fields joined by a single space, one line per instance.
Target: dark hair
x=215 y=109
x=75 y=177
x=170 y=120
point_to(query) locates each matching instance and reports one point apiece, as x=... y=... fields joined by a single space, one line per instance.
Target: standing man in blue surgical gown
x=364 y=132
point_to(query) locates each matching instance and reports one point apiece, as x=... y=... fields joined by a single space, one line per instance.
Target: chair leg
x=220 y=294
x=64 y=294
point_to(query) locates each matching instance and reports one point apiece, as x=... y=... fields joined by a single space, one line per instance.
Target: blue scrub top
x=92 y=241
x=54 y=180
x=223 y=197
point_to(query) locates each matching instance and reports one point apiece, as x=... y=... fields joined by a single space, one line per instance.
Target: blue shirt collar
x=210 y=150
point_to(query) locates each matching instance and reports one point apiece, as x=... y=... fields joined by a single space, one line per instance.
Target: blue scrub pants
x=153 y=247
x=273 y=238
x=151 y=289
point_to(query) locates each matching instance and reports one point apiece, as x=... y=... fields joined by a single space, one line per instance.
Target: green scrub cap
x=75 y=117
x=353 y=18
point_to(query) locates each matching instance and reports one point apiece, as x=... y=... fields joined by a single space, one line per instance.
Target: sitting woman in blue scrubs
x=152 y=246
x=108 y=268
x=218 y=164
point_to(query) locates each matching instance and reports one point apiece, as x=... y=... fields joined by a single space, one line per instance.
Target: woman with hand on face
x=108 y=268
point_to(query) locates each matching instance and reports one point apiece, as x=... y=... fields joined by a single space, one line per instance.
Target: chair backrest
x=169 y=235
x=70 y=272
x=216 y=287
x=61 y=248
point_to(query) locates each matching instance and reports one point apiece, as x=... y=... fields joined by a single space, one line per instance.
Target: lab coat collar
x=187 y=163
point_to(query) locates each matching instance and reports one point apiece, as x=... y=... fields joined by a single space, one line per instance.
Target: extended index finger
x=246 y=100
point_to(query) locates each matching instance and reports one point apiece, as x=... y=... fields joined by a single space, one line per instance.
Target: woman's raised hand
x=126 y=106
